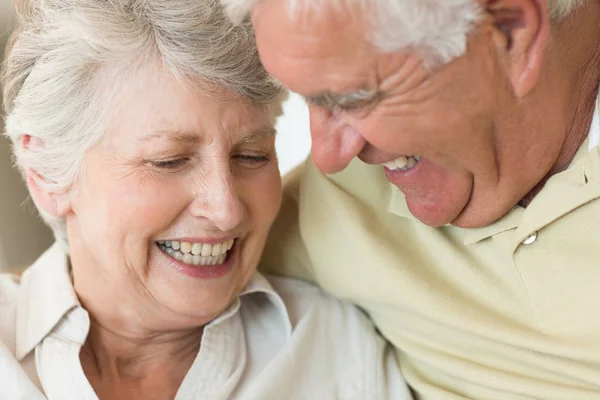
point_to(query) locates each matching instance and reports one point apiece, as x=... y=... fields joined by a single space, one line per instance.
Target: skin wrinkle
x=132 y=365
x=417 y=77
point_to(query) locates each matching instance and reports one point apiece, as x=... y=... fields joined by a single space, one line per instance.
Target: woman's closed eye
x=251 y=160
x=168 y=165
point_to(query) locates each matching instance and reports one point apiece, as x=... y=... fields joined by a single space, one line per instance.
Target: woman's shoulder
x=297 y=293
x=334 y=347
x=308 y=304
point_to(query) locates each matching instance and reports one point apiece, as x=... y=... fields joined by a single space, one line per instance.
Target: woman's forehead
x=151 y=104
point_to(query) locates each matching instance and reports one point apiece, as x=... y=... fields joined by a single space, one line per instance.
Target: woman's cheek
x=268 y=198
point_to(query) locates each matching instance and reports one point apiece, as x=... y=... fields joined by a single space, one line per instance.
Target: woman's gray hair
x=65 y=61
x=438 y=29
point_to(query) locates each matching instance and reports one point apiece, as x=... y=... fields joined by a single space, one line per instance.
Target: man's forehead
x=290 y=50
x=319 y=25
x=315 y=11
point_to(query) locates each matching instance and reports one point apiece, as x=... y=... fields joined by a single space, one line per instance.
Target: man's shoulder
x=355 y=178
x=358 y=186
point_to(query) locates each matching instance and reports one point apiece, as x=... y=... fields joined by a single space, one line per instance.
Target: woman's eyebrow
x=192 y=138
x=257 y=135
x=175 y=136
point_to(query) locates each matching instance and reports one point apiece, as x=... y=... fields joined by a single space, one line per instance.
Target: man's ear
x=55 y=203
x=522 y=28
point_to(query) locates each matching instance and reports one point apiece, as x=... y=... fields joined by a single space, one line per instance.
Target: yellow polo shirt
x=509 y=311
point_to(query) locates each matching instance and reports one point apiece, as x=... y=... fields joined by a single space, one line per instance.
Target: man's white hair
x=436 y=28
x=66 y=59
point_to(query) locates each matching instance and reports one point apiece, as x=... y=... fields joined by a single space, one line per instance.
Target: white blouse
x=281 y=339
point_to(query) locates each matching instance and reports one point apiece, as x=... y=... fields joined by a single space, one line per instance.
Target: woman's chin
x=190 y=305
x=198 y=292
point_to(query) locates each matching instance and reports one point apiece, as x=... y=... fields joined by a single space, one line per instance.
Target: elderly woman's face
x=174 y=204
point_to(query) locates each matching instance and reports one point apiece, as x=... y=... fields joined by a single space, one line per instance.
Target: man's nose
x=334 y=142
x=217 y=201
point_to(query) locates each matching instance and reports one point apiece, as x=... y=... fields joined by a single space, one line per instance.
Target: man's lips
x=403 y=163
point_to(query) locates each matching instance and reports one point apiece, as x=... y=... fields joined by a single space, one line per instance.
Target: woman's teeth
x=402 y=163
x=196 y=253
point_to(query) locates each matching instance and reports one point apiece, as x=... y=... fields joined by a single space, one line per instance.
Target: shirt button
x=530 y=239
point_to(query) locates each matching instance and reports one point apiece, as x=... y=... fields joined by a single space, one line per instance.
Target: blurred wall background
x=23 y=236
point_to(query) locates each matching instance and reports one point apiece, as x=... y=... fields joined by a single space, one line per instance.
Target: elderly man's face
x=174 y=204
x=457 y=121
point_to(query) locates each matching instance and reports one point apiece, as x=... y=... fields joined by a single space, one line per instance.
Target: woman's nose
x=334 y=142
x=217 y=201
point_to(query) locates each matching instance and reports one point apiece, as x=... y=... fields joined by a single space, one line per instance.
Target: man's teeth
x=402 y=163
x=197 y=253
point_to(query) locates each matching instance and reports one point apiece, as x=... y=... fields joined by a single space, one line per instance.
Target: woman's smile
x=206 y=259
x=197 y=253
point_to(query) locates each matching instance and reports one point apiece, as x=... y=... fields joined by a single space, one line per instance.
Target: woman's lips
x=198 y=266
x=197 y=253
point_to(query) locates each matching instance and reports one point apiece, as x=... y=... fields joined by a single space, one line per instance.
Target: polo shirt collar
x=259 y=286
x=547 y=206
x=509 y=221
x=47 y=297
x=515 y=216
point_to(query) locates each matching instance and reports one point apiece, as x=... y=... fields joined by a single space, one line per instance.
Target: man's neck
x=577 y=48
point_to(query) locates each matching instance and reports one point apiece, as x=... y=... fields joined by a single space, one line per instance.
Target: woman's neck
x=122 y=364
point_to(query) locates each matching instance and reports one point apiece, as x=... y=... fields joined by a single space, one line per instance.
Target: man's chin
x=434 y=214
x=446 y=213
x=443 y=205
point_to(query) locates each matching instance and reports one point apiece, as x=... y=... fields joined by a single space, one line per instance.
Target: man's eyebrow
x=174 y=136
x=329 y=99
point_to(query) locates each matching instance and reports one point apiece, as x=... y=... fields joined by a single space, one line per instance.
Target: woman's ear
x=522 y=28
x=55 y=203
